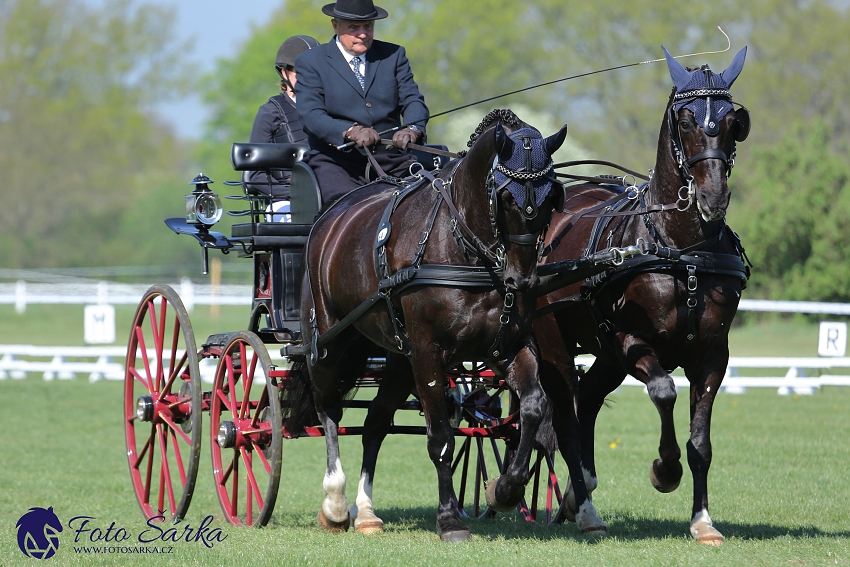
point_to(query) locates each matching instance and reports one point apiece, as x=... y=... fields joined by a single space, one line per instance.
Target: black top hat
x=355 y=10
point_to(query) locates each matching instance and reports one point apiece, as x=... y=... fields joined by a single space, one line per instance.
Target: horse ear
x=555 y=141
x=731 y=73
x=681 y=76
x=504 y=145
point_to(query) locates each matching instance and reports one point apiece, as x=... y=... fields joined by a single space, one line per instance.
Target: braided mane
x=504 y=115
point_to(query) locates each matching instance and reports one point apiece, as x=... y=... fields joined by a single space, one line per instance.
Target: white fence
x=22 y=293
x=17 y=362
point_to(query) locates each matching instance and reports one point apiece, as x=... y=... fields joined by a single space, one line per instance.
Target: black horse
x=455 y=257
x=672 y=302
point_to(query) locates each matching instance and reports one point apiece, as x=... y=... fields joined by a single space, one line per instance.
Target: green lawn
x=778 y=489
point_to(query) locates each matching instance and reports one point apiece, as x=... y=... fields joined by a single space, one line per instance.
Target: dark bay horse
x=669 y=306
x=456 y=258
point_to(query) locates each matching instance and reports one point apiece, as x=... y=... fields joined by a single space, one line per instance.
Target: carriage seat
x=265 y=157
x=266 y=235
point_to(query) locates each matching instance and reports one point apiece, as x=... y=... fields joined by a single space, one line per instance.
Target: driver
x=352 y=89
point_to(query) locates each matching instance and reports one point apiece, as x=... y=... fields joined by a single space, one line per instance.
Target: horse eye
x=686 y=125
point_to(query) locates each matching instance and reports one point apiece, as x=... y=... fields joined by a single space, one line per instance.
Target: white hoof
x=588 y=522
x=368 y=523
x=703 y=531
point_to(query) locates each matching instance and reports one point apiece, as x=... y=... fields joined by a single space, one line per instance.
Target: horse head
x=703 y=127
x=522 y=191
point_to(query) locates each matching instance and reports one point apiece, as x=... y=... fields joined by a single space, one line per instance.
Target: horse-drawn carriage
x=401 y=282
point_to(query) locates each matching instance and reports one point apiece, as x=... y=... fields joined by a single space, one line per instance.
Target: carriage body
x=165 y=397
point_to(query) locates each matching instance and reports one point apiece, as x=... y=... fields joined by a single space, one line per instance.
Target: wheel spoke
x=251 y=488
x=140 y=338
x=176 y=429
x=159 y=337
x=165 y=470
x=175 y=372
x=150 y=451
x=247 y=380
x=259 y=452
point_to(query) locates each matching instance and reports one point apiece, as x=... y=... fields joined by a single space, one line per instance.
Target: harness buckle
x=509 y=300
x=692 y=279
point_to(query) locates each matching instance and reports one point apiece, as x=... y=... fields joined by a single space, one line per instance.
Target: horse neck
x=678 y=229
x=470 y=195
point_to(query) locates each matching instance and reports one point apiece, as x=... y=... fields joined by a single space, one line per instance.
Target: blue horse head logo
x=38 y=533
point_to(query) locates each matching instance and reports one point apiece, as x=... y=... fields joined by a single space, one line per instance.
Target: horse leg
x=430 y=376
x=521 y=374
x=665 y=472
x=598 y=382
x=333 y=514
x=393 y=391
x=332 y=377
x=705 y=382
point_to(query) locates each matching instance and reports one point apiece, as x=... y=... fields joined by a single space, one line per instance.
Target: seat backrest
x=305 y=199
x=265 y=157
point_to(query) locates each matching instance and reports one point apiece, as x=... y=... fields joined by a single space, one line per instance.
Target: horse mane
x=503 y=115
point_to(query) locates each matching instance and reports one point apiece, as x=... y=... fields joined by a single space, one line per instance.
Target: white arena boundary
x=795 y=375
x=22 y=293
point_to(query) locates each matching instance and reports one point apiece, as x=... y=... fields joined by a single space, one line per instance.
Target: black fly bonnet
x=527 y=174
x=707 y=95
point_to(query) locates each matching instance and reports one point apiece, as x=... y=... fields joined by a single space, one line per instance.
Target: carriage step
x=295 y=350
x=218 y=340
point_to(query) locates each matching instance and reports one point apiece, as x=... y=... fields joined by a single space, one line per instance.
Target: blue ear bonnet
x=540 y=160
x=699 y=80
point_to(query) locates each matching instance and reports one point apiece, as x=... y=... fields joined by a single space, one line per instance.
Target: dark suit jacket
x=330 y=99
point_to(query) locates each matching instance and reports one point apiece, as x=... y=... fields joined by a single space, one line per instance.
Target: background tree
x=81 y=146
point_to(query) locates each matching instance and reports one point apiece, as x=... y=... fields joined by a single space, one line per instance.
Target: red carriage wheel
x=162 y=405
x=486 y=452
x=246 y=431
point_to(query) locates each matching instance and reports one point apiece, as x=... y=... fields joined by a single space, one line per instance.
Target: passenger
x=349 y=90
x=277 y=122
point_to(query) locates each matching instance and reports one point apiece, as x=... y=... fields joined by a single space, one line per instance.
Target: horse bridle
x=711 y=127
x=530 y=210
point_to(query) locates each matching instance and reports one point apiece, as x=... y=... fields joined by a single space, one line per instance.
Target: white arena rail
x=796 y=375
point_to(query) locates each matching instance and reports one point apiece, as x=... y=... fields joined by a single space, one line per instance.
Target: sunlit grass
x=777 y=489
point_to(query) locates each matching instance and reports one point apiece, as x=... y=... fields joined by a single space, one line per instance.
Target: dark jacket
x=276 y=122
x=330 y=99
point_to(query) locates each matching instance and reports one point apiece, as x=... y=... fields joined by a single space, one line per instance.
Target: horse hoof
x=367 y=523
x=600 y=530
x=333 y=527
x=490 y=495
x=704 y=532
x=455 y=536
x=661 y=478
x=588 y=522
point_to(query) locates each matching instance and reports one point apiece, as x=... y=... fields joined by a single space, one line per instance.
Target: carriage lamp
x=203 y=206
x=144 y=408
x=226 y=437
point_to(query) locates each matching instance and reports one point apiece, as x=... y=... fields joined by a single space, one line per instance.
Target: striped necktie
x=355 y=64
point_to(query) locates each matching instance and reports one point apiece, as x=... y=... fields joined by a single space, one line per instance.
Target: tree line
x=107 y=172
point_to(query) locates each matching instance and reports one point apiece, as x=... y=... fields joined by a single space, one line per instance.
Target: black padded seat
x=305 y=196
x=264 y=157
x=273 y=234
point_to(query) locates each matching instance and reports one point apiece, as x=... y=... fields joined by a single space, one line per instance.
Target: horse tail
x=297 y=407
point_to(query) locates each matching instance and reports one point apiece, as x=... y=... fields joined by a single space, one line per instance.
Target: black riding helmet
x=290 y=49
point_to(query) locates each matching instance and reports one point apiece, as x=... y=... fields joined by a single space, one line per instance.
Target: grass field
x=778 y=488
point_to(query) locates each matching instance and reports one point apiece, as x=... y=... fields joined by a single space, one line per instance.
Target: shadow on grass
x=511 y=526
